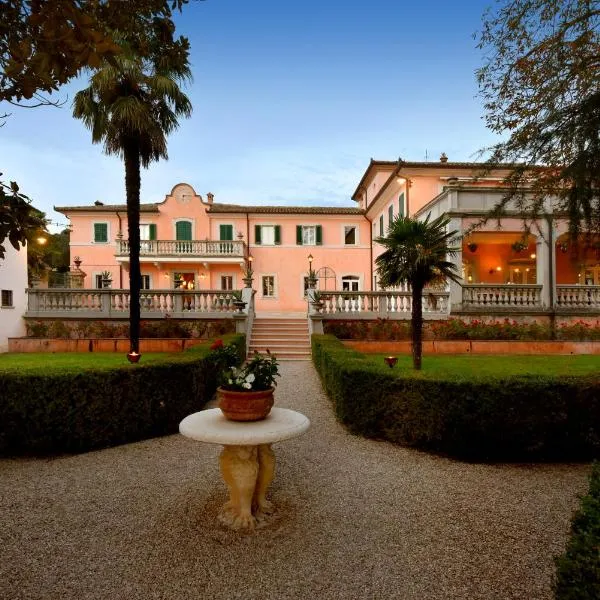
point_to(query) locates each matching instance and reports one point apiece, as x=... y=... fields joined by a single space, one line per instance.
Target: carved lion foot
x=235 y=519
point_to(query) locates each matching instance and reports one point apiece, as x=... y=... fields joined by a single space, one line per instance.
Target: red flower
x=217 y=344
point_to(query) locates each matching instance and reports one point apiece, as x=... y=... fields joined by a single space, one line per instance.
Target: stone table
x=247 y=460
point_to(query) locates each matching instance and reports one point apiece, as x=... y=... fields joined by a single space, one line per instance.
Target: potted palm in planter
x=106 y=279
x=246 y=393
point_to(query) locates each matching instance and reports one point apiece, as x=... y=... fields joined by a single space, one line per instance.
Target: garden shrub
x=155 y=328
x=578 y=569
x=66 y=410
x=537 y=417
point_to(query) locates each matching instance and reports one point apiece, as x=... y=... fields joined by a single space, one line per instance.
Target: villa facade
x=193 y=244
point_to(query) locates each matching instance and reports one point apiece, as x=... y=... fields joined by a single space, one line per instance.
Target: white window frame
x=97 y=277
x=107 y=223
x=262 y=235
x=356 y=278
x=142 y=275
x=306 y=229
x=275 y=287
x=356 y=233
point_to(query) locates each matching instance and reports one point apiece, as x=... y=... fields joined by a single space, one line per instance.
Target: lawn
x=462 y=367
x=75 y=362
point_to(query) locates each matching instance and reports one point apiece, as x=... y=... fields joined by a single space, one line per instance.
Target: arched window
x=350 y=283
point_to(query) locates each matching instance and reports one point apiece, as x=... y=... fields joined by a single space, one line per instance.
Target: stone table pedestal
x=247 y=461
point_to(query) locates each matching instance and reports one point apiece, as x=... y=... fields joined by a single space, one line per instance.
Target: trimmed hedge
x=74 y=411
x=508 y=418
x=578 y=569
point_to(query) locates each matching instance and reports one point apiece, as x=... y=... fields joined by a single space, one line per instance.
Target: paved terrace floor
x=357 y=519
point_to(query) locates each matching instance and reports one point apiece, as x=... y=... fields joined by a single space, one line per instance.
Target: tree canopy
x=45 y=43
x=541 y=88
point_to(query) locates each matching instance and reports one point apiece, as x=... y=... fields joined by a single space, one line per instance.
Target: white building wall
x=13 y=277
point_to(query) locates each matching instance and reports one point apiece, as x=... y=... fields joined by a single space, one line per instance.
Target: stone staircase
x=285 y=337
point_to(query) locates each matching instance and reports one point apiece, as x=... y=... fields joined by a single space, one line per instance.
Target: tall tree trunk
x=132 y=188
x=417 y=325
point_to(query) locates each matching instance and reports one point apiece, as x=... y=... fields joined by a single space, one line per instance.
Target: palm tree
x=131 y=106
x=416 y=252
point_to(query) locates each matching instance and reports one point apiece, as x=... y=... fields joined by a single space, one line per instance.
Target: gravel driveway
x=357 y=519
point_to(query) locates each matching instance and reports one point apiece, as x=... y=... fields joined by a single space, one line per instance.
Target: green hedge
x=515 y=417
x=62 y=410
x=578 y=569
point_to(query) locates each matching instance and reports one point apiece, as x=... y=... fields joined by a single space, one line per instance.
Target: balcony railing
x=114 y=303
x=578 y=297
x=190 y=249
x=387 y=304
x=510 y=296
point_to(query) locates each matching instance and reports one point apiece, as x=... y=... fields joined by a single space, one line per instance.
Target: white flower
x=250 y=378
x=247 y=385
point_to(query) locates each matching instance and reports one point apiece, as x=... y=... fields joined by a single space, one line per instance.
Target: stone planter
x=240 y=305
x=245 y=406
x=248 y=281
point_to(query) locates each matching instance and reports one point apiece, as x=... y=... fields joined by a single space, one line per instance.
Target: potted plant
x=238 y=302
x=247 y=274
x=317 y=300
x=518 y=247
x=472 y=246
x=312 y=279
x=106 y=279
x=246 y=393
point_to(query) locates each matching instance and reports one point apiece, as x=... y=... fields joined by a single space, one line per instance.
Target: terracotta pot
x=245 y=406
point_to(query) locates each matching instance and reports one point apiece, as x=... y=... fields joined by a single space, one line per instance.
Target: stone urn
x=245 y=406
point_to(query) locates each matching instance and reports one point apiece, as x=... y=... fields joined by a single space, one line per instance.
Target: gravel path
x=357 y=519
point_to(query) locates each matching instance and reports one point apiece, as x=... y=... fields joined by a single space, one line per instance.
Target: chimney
x=443 y=158
x=210 y=197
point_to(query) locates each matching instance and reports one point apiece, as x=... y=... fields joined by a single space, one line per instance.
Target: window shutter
x=152 y=231
x=183 y=231
x=226 y=232
x=401 y=204
x=257 y=234
x=100 y=232
x=319 y=235
x=299 y=235
x=278 y=234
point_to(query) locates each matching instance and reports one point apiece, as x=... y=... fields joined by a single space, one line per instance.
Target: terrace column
x=455 y=300
x=545 y=264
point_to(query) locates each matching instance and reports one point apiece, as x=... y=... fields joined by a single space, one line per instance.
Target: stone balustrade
x=509 y=296
x=183 y=248
x=578 y=297
x=392 y=304
x=114 y=303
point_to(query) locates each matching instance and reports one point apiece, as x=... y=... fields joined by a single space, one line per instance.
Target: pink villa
x=194 y=250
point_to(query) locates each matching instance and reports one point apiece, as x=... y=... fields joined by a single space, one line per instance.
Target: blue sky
x=291 y=100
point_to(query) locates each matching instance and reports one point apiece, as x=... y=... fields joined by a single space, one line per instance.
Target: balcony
x=184 y=251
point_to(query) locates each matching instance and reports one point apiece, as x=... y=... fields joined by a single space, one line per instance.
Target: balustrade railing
x=387 y=304
x=578 y=297
x=196 y=248
x=482 y=295
x=107 y=303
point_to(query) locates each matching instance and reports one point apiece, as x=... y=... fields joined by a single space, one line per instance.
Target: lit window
x=268 y=286
x=7 y=298
x=350 y=235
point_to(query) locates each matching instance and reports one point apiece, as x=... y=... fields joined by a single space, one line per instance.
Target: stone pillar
x=76 y=278
x=545 y=264
x=315 y=323
x=240 y=320
x=455 y=300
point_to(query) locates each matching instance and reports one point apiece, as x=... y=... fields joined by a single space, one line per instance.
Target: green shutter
x=299 y=235
x=319 y=235
x=226 y=232
x=183 y=231
x=100 y=232
x=381 y=225
x=391 y=214
x=257 y=234
x=278 y=234
x=152 y=231
x=401 y=204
